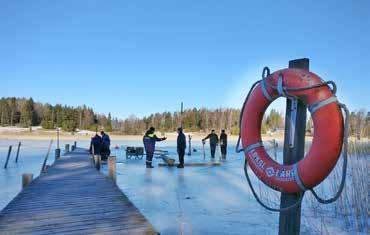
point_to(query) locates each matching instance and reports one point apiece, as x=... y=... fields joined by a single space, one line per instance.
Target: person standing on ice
x=223 y=144
x=181 y=146
x=213 y=141
x=149 y=140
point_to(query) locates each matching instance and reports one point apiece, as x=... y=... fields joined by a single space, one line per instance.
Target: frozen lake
x=193 y=200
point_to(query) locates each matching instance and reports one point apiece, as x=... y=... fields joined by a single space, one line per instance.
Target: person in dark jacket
x=223 y=144
x=149 y=140
x=96 y=142
x=181 y=146
x=105 y=146
x=213 y=141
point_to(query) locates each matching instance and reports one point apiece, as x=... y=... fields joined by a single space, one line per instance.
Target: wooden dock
x=72 y=197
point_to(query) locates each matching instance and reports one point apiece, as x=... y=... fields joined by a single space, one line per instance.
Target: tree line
x=25 y=113
x=194 y=120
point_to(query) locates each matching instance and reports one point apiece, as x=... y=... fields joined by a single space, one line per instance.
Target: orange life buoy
x=327 y=139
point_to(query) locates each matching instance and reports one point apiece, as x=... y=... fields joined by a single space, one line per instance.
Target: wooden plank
x=72 y=198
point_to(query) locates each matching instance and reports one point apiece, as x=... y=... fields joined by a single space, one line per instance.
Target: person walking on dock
x=223 y=144
x=213 y=141
x=149 y=140
x=105 y=146
x=95 y=143
x=181 y=146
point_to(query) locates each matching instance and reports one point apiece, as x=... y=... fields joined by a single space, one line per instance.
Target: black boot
x=180 y=166
x=149 y=165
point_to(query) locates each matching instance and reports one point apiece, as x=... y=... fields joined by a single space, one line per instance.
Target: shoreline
x=37 y=135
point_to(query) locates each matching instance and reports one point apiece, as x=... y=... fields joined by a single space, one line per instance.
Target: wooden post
x=57 y=137
x=66 y=148
x=189 y=152
x=57 y=154
x=46 y=158
x=75 y=144
x=73 y=148
x=19 y=146
x=294 y=142
x=7 y=158
x=112 y=172
x=97 y=160
x=26 y=179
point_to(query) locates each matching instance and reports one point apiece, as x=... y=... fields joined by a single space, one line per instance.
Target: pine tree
x=5 y=113
x=48 y=117
x=13 y=110
x=108 y=126
x=28 y=115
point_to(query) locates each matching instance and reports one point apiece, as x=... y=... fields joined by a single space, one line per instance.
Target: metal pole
x=294 y=142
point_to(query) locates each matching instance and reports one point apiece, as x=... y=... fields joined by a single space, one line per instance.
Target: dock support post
x=73 y=148
x=97 y=160
x=75 y=144
x=57 y=154
x=112 y=170
x=19 y=146
x=294 y=142
x=7 y=158
x=26 y=179
x=66 y=148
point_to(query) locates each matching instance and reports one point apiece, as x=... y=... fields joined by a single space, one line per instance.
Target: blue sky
x=141 y=57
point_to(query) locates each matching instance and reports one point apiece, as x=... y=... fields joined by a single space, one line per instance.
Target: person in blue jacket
x=105 y=146
x=96 y=142
x=149 y=140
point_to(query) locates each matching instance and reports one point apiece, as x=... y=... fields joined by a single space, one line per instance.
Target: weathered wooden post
x=7 y=158
x=112 y=170
x=57 y=154
x=75 y=144
x=97 y=160
x=26 y=179
x=73 y=148
x=57 y=150
x=294 y=142
x=44 y=166
x=189 y=152
x=66 y=148
x=16 y=157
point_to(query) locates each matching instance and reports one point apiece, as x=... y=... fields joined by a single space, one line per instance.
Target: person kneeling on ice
x=105 y=146
x=181 y=146
x=149 y=140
